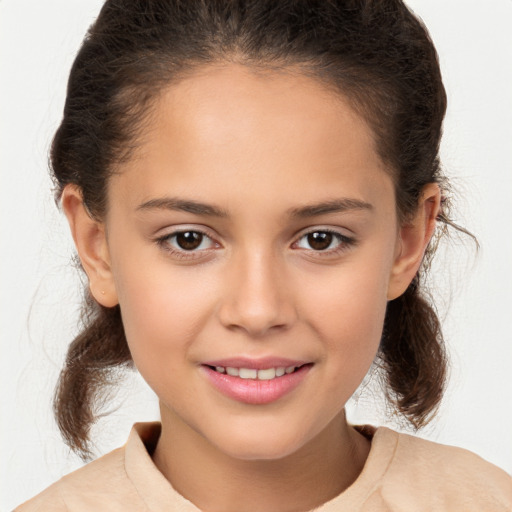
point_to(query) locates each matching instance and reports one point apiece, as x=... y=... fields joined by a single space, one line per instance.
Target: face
x=252 y=241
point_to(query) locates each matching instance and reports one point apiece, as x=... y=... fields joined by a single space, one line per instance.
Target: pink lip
x=254 y=391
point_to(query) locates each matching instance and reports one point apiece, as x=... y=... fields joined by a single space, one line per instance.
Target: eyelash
x=344 y=243
x=182 y=254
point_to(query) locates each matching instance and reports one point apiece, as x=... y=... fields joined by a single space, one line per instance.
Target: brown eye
x=189 y=240
x=320 y=240
x=191 y=244
x=324 y=241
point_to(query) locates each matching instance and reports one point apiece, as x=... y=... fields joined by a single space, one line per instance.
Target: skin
x=257 y=147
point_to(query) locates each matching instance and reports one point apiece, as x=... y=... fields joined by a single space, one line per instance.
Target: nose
x=257 y=296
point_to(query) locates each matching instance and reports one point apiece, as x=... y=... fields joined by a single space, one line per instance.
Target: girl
x=252 y=188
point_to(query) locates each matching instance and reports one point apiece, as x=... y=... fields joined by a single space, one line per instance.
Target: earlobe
x=91 y=243
x=413 y=239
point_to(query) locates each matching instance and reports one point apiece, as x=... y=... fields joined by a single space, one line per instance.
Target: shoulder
x=101 y=483
x=446 y=477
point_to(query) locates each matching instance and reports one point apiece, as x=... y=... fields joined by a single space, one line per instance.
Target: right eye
x=186 y=243
x=190 y=240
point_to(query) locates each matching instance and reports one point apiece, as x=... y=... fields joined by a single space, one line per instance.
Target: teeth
x=252 y=373
x=267 y=374
x=246 y=373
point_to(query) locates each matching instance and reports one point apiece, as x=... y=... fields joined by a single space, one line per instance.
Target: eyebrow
x=183 y=205
x=332 y=206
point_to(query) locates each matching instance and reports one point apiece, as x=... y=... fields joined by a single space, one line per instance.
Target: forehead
x=228 y=128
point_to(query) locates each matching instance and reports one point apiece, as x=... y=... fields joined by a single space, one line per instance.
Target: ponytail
x=413 y=357
x=93 y=362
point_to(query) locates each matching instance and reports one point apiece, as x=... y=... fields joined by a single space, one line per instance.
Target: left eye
x=321 y=240
x=189 y=241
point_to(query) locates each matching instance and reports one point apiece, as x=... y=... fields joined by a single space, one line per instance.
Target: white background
x=39 y=290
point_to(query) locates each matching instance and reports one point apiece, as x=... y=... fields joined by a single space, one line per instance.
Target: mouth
x=256 y=374
x=256 y=382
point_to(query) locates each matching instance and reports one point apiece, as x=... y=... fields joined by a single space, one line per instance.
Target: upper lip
x=257 y=364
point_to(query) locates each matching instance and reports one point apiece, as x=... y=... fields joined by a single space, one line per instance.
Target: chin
x=260 y=451
x=260 y=444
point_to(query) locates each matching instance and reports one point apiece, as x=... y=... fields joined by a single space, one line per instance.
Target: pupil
x=320 y=240
x=189 y=240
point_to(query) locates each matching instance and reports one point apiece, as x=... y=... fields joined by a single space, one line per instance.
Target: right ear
x=91 y=243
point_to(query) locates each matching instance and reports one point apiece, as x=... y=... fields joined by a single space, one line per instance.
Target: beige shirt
x=402 y=474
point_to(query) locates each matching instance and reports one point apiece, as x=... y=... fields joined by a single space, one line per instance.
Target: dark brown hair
x=374 y=52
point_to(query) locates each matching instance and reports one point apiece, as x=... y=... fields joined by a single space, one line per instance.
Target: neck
x=215 y=481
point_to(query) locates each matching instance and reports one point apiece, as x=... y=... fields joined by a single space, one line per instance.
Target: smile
x=256 y=386
x=253 y=373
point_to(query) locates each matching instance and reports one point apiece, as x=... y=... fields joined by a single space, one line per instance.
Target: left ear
x=413 y=239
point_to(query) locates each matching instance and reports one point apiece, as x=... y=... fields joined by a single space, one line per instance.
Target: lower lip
x=254 y=391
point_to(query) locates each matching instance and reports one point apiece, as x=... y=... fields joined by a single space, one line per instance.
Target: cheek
x=162 y=311
x=350 y=301
x=346 y=310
